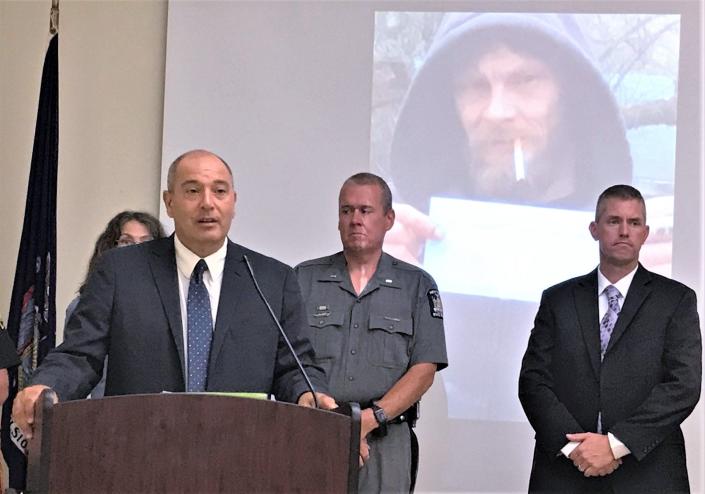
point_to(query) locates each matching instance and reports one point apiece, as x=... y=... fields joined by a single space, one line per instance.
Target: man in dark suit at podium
x=612 y=368
x=182 y=313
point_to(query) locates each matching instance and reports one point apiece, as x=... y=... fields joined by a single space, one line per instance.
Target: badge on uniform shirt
x=435 y=304
x=322 y=311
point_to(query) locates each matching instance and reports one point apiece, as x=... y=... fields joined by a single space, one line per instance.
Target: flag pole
x=54 y=17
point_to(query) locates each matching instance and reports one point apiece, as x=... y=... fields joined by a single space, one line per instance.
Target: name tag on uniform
x=322 y=311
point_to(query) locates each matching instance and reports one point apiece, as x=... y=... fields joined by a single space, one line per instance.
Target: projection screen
x=297 y=96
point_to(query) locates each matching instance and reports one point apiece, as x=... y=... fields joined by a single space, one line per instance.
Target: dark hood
x=428 y=150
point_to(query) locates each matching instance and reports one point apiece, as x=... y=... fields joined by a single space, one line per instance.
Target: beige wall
x=111 y=65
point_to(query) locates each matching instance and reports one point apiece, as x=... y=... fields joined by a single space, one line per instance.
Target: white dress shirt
x=619 y=449
x=212 y=279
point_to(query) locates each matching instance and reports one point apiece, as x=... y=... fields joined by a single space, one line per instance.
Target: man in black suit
x=137 y=309
x=612 y=368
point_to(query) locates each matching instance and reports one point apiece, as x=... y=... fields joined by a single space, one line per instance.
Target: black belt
x=404 y=417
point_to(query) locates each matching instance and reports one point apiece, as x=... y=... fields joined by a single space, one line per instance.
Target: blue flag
x=32 y=319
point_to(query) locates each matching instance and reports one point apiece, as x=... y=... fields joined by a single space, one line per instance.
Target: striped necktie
x=610 y=318
x=606 y=327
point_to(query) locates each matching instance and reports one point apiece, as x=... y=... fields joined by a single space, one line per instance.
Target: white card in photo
x=507 y=251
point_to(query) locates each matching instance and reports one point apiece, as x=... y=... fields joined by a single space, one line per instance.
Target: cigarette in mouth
x=519 y=171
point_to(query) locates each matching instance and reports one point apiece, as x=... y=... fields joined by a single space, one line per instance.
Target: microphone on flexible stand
x=281 y=331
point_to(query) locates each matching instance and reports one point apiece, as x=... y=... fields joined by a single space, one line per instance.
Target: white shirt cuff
x=619 y=449
x=568 y=448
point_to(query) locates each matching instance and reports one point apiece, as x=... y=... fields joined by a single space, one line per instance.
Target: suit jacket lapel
x=585 y=293
x=162 y=261
x=639 y=290
x=235 y=279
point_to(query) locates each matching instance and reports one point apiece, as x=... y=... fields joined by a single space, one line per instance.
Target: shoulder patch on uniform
x=435 y=304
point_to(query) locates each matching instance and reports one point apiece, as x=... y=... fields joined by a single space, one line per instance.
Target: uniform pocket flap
x=391 y=324
x=321 y=319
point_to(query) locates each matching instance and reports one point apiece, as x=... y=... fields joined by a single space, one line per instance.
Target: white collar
x=186 y=260
x=622 y=284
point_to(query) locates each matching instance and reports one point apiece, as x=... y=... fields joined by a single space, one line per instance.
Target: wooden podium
x=195 y=443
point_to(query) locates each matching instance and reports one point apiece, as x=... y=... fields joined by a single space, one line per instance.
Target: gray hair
x=366 y=178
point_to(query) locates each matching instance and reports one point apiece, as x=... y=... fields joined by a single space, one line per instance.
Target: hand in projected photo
x=411 y=230
x=657 y=256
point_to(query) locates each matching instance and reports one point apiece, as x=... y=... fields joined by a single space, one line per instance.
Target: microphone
x=281 y=331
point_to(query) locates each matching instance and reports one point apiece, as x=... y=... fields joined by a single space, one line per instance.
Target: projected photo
x=498 y=131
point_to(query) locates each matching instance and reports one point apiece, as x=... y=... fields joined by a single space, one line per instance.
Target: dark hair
x=110 y=236
x=174 y=165
x=366 y=178
x=621 y=191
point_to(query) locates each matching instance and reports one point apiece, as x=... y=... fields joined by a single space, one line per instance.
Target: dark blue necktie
x=200 y=329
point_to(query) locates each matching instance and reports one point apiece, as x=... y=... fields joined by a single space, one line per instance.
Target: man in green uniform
x=377 y=328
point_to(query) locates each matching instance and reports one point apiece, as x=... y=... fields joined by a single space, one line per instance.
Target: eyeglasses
x=126 y=240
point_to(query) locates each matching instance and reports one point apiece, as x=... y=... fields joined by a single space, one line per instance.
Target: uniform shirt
x=366 y=343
